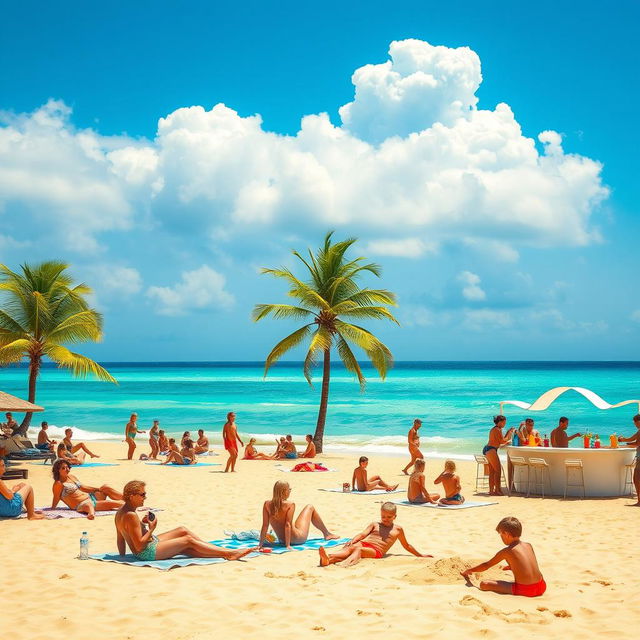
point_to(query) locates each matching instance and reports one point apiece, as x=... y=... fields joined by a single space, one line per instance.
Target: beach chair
x=15 y=474
x=519 y=465
x=482 y=479
x=22 y=449
x=576 y=467
x=628 y=479
x=540 y=469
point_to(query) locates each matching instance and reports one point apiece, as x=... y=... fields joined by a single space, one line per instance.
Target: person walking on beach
x=154 y=437
x=130 y=432
x=496 y=440
x=414 y=445
x=278 y=512
x=231 y=438
x=145 y=545
x=634 y=441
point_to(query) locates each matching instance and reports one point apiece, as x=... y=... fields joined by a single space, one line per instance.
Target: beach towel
x=445 y=507
x=65 y=512
x=184 y=466
x=375 y=492
x=296 y=470
x=89 y=465
x=227 y=543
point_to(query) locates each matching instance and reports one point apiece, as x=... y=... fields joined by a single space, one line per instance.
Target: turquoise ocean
x=455 y=400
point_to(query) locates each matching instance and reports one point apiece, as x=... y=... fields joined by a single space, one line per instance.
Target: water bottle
x=84 y=546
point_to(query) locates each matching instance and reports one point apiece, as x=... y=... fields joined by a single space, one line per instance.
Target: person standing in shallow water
x=130 y=432
x=231 y=438
x=414 y=445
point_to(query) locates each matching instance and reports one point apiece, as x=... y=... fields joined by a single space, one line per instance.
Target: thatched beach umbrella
x=11 y=403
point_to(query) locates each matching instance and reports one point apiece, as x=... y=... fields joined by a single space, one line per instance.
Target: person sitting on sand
x=185 y=436
x=496 y=440
x=81 y=497
x=280 y=448
x=417 y=492
x=74 y=448
x=310 y=451
x=231 y=438
x=373 y=542
x=520 y=559
x=202 y=444
x=634 y=441
x=163 y=442
x=154 y=438
x=145 y=545
x=360 y=481
x=451 y=483
x=414 y=445
x=14 y=499
x=186 y=455
x=130 y=432
x=173 y=446
x=559 y=437
x=73 y=459
x=44 y=442
x=278 y=513
x=290 y=451
x=251 y=453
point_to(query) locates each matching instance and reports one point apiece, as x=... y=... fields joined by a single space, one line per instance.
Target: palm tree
x=43 y=309
x=331 y=294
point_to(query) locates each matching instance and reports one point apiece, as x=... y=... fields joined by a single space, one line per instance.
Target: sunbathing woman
x=73 y=459
x=185 y=436
x=74 y=448
x=14 y=499
x=146 y=546
x=417 y=493
x=278 y=513
x=80 y=497
x=251 y=453
x=187 y=454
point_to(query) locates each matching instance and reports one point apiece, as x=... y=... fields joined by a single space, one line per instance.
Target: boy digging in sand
x=520 y=559
x=360 y=482
x=451 y=483
x=373 y=542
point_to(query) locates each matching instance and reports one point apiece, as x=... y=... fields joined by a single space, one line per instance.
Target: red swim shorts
x=529 y=590
x=370 y=546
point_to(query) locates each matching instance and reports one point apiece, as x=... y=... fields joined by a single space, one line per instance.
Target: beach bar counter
x=604 y=469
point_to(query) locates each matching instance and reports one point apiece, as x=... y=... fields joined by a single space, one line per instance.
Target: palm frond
x=80 y=365
x=8 y=323
x=349 y=360
x=84 y=326
x=14 y=351
x=286 y=344
x=375 y=349
x=370 y=312
x=320 y=342
x=280 y=311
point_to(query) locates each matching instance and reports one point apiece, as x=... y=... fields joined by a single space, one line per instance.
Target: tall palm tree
x=42 y=310
x=330 y=294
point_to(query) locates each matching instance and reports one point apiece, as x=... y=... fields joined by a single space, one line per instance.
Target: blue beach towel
x=89 y=465
x=227 y=543
x=445 y=507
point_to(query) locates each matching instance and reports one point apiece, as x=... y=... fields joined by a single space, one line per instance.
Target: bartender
x=559 y=437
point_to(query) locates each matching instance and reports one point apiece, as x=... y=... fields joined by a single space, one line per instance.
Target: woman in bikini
x=80 y=497
x=187 y=454
x=496 y=440
x=72 y=458
x=251 y=453
x=154 y=437
x=278 y=512
x=417 y=492
x=185 y=436
x=130 y=432
x=414 y=445
x=163 y=442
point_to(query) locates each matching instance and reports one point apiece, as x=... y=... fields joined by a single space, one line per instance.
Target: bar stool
x=540 y=467
x=628 y=479
x=519 y=463
x=576 y=466
x=482 y=479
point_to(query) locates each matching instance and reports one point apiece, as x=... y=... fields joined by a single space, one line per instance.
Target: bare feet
x=241 y=553
x=91 y=516
x=405 y=472
x=324 y=558
x=395 y=486
x=331 y=536
x=94 y=455
x=37 y=515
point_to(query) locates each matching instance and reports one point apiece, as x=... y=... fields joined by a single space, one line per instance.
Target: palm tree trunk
x=324 y=401
x=34 y=370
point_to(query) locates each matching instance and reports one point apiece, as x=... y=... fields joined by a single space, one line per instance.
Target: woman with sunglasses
x=146 y=546
x=81 y=497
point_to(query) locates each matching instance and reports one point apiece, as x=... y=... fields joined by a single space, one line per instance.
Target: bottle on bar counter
x=613 y=440
x=586 y=440
x=597 y=443
x=546 y=440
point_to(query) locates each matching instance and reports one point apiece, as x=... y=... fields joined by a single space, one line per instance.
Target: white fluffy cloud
x=471 y=289
x=198 y=289
x=414 y=164
x=111 y=280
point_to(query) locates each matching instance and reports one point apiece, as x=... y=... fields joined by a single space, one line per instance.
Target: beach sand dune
x=585 y=549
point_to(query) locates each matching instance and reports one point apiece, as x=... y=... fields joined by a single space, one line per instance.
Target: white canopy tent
x=549 y=397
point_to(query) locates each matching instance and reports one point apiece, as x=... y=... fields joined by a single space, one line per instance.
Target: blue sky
x=487 y=159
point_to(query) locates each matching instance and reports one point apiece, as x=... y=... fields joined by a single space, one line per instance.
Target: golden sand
x=586 y=550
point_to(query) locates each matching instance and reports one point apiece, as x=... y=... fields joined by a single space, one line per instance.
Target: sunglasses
x=142 y=495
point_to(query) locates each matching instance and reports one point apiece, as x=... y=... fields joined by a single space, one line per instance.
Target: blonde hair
x=132 y=487
x=419 y=464
x=389 y=506
x=280 y=493
x=450 y=465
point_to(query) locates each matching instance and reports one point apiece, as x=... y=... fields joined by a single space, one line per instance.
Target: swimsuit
x=230 y=445
x=457 y=497
x=11 y=508
x=70 y=487
x=184 y=461
x=370 y=546
x=91 y=499
x=487 y=448
x=43 y=447
x=149 y=552
x=291 y=455
x=529 y=590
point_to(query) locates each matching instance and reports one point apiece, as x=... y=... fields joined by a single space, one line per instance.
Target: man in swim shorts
x=373 y=542
x=520 y=559
x=145 y=545
x=290 y=451
x=634 y=441
x=231 y=438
